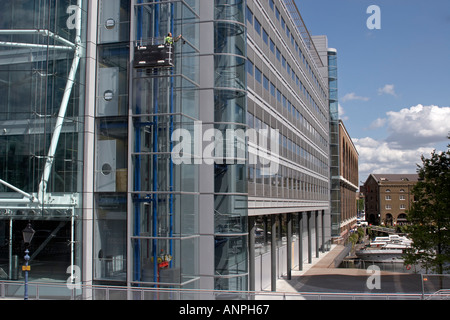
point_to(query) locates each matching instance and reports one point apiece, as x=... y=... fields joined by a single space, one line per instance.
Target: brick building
x=388 y=197
x=348 y=168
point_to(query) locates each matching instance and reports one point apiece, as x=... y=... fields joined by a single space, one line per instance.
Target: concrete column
x=273 y=253
x=205 y=175
x=251 y=253
x=266 y=224
x=316 y=226
x=323 y=230
x=300 y=241
x=87 y=242
x=308 y=221
x=289 y=244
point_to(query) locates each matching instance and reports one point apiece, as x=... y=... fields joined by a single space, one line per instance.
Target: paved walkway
x=324 y=264
x=322 y=275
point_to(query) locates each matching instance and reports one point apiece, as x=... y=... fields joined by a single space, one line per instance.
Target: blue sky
x=394 y=83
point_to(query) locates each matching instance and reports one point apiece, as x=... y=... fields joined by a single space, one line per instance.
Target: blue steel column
x=155 y=157
x=171 y=146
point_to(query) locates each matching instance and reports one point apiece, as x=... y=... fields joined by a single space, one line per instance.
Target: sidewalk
x=323 y=265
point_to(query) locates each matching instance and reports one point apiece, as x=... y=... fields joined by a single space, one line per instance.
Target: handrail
x=76 y=291
x=442 y=294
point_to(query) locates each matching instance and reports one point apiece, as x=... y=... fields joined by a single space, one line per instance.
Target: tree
x=361 y=234
x=353 y=239
x=430 y=215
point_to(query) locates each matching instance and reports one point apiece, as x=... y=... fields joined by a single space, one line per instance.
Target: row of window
x=389 y=190
x=389 y=207
x=316 y=163
x=286 y=103
x=290 y=36
x=286 y=183
x=285 y=28
x=401 y=197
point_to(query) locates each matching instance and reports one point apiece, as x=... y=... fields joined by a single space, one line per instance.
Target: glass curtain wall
x=164 y=193
x=230 y=108
x=334 y=145
x=111 y=144
x=42 y=49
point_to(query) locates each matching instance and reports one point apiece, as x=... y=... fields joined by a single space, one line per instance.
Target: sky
x=393 y=82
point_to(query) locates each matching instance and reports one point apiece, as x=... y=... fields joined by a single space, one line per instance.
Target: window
x=257 y=123
x=272 y=46
x=271 y=5
x=278 y=54
x=257 y=26
x=250 y=119
x=272 y=89
x=265 y=36
x=387 y=197
x=277 y=14
x=249 y=15
x=258 y=75
x=250 y=67
x=266 y=83
x=402 y=206
x=388 y=207
x=402 y=197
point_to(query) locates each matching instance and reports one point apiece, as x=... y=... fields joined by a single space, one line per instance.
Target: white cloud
x=353 y=96
x=387 y=89
x=418 y=126
x=383 y=157
x=413 y=132
x=378 y=123
x=341 y=113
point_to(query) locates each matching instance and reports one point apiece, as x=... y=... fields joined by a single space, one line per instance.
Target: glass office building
x=42 y=85
x=116 y=147
x=334 y=145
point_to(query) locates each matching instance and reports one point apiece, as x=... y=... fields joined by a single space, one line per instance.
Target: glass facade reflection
x=88 y=139
x=230 y=197
x=110 y=166
x=164 y=195
x=334 y=145
x=42 y=84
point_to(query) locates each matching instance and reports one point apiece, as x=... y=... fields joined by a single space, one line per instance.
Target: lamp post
x=28 y=234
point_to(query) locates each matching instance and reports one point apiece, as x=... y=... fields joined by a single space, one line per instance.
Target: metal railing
x=62 y=291
x=443 y=294
x=383 y=229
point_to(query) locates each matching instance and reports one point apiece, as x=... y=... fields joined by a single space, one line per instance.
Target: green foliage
x=430 y=215
x=361 y=233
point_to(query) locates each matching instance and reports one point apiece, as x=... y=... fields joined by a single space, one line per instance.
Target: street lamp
x=27 y=234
